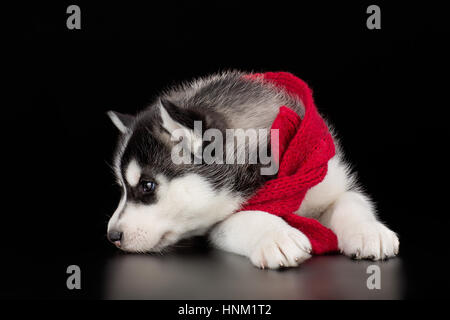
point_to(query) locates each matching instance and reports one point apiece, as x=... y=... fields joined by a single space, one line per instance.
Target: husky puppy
x=163 y=202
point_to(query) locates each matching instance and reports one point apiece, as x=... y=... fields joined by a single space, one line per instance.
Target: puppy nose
x=115 y=237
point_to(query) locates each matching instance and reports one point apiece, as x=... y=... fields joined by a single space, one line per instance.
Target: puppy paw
x=369 y=240
x=287 y=247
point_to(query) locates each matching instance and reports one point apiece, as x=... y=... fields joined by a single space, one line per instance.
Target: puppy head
x=163 y=202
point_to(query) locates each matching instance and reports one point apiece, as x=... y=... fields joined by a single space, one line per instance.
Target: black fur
x=214 y=104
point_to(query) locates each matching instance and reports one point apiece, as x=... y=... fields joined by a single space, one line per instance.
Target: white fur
x=122 y=128
x=133 y=173
x=178 y=131
x=189 y=205
x=335 y=183
x=186 y=206
x=118 y=158
x=270 y=242
x=350 y=214
x=112 y=221
x=267 y=240
x=359 y=233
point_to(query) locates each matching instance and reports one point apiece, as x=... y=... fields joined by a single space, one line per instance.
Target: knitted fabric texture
x=305 y=146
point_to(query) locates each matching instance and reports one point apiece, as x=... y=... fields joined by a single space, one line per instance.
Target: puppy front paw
x=287 y=247
x=369 y=240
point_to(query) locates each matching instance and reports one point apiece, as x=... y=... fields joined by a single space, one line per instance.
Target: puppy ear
x=181 y=124
x=121 y=121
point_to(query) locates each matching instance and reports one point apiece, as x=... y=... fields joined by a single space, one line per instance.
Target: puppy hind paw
x=369 y=240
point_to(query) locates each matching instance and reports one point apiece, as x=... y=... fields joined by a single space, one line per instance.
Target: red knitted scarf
x=305 y=146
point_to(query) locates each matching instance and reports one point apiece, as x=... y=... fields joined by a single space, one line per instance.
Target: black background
x=384 y=90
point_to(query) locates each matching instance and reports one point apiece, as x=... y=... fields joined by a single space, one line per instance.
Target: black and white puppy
x=165 y=200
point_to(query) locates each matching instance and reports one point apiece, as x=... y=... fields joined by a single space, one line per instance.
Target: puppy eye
x=148 y=186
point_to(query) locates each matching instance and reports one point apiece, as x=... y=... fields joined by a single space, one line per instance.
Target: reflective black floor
x=382 y=89
x=194 y=270
x=219 y=275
